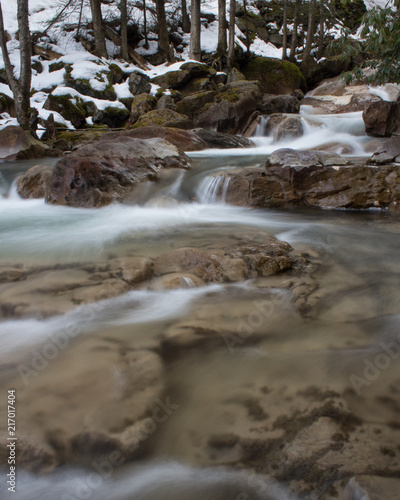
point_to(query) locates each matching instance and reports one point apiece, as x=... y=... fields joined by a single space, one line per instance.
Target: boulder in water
x=105 y=171
x=33 y=183
x=382 y=118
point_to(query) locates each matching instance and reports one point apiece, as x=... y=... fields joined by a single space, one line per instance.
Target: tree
x=321 y=29
x=232 y=24
x=293 y=45
x=124 y=30
x=185 y=17
x=222 y=42
x=98 y=28
x=305 y=63
x=163 y=42
x=195 y=46
x=21 y=87
x=285 y=30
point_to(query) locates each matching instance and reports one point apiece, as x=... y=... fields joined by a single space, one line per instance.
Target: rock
x=117 y=73
x=166 y=102
x=198 y=70
x=163 y=117
x=7 y=104
x=18 y=144
x=141 y=104
x=382 y=118
x=235 y=75
x=139 y=83
x=275 y=76
x=279 y=104
x=387 y=152
x=226 y=109
x=172 y=79
x=172 y=281
x=289 y=128
x=372 y=488
x=105 y=171
x=34 y=181
x=222 y=141
x=314 y=179
x=198 y=85
x=100 y=87
x=112 y=116
x=70 y=107
x=135 y=270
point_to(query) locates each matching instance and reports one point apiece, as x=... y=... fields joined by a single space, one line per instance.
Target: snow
x=265 y=49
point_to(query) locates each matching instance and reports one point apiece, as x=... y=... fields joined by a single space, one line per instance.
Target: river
x=271 y=348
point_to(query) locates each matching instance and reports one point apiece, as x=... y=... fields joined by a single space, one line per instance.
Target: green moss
x=274 y=75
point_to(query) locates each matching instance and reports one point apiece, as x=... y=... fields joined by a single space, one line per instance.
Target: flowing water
x=350 y=316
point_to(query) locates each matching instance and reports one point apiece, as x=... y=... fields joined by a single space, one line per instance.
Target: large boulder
x=100 y=87
x=34 y=181
x=226 y=109
x=18 y=144
x=387 y=152
x=314 y=179
x=275 y=76
x=382 y=118
x=164 y=117
x=139 y=83
x=107 y=170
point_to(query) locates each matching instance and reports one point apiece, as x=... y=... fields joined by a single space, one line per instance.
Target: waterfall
x=213 y=189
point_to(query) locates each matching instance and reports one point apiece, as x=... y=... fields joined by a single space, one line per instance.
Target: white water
x=364 y=248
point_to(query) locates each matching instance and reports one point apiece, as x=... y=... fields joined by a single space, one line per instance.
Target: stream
x=306 y=346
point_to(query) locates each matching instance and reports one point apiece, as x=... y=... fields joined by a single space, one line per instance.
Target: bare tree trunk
x=195 y=30
x=98 y=28
x=146 y=41
x=222 y=42
x=247 y=26
x=305 y=64
x=231 y=44
x=20 y=88
x=321 y=28
x=185 y=17
x=78 y=29
x=163 y=41
x=284 y=44
x=293 y=45
x=124 y=30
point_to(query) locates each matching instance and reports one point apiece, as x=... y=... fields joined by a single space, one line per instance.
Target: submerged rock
x=105 y=171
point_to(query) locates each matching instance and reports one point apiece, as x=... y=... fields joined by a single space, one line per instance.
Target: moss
x=164 y=117
x=56 y=66
x=275 y=76
x=70 y=107
x=84 y=87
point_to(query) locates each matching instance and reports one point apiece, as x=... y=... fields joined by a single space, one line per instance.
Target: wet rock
x=222 y=141
x=33 y=183
x=372 y=488
x=135 y=269
x=165 y=118
x=172 y=281
x=314 y=179
x=105 y=171
x=382 y=118
x=139 y=83
x=387 y=152
x=18 y=144
x=290 y=127
x=279 y=104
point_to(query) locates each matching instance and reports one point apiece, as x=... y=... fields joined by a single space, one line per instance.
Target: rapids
x=353 y=316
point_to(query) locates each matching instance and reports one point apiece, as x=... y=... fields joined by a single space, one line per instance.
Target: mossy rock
x=56 y=66
x=275 y=76
x=112 y=116
x=70 y=107
x=37 y=66
x=198 y=70
x=198 y=85
x=117 y=73
x=139 y=83
x=235 y=76
x=7 y=104
x=172 y=79
x=141 y=104
x=164 y=117
x=83 y=86
x=193 y=103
